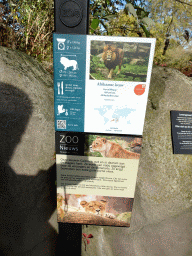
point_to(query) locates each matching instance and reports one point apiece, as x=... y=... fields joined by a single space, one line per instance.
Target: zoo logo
x=69 y=139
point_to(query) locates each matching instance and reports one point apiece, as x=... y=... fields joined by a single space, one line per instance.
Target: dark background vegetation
x=28 y=25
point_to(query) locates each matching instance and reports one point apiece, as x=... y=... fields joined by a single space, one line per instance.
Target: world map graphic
x=113 y=113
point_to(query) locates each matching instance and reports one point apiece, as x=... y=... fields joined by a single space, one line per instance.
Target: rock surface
x=162 y=211
x=28 y=223
x=20 y=74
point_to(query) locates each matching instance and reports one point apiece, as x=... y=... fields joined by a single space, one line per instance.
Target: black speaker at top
x=71 y=16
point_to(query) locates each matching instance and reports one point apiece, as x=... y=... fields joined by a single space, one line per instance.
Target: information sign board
x=101 y=83
x=101 y=87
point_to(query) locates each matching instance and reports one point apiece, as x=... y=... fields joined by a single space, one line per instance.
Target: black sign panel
x=69 y=143
x=181 y=124
x=71 y=16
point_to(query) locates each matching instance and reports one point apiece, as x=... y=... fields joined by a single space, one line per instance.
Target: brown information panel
x=96 y=177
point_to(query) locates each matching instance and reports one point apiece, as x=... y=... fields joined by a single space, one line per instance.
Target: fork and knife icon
x=60 y=88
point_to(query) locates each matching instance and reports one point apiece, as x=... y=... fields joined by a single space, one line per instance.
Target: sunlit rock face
x=27 y=93
x=162 y=209
x=27 y=178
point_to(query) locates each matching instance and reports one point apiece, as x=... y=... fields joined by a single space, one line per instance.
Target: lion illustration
x=68 y=63
x=112 y=57
x=111 y=149
x=97 y=208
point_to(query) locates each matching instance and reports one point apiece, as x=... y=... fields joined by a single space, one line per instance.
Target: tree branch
x=182 y=2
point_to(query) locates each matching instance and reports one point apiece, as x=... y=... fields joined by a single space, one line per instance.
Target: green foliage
x=171 y=19
x=34 y=26
x=28 y=25
x=96 y=63
x=142 y=20
x=130 y=9
x=94 y=25
x=125 y=216
x=103 y=13
x=178 y=57
x=90 y=139
x=88 y=142
x=135 y=69
x=36 y=18
x=128 y=71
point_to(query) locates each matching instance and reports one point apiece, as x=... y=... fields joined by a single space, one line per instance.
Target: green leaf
x=110 y=17
x=147 y=33
x=130 y=9
x=141 y=13
x=94 y=24
x=148 y=21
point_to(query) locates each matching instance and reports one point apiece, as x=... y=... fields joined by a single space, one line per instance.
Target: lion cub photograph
x=111 y=149
x=97 y=207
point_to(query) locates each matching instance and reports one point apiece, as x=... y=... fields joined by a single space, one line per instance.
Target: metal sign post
x=71 y=17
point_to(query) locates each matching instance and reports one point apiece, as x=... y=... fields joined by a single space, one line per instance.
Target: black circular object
x=71 y=13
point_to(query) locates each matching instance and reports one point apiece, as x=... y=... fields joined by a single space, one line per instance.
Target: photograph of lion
x=119 y=61
x=94 y=209
x=127 y=147
x=112 y=57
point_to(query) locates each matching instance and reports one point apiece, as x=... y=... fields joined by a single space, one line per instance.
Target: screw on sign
x=139 y=89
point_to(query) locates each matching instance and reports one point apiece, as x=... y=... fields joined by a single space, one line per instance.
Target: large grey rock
x=20 y=72
x=162 y=212
x=162 y=215
x=28 y=223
